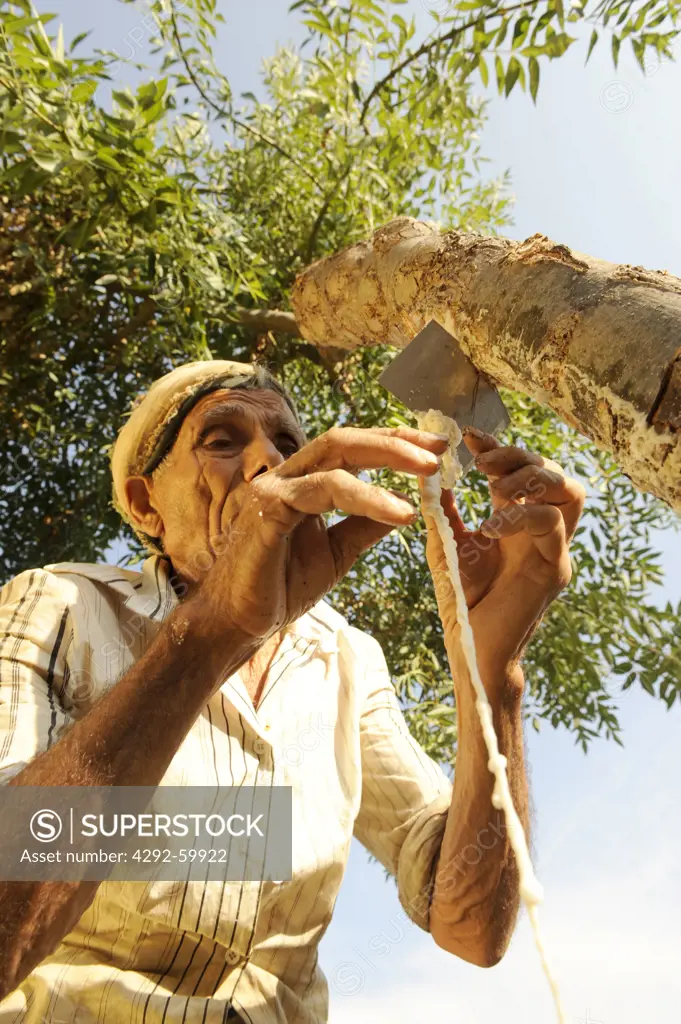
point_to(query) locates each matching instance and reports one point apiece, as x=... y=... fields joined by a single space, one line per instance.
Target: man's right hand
x=273 y=555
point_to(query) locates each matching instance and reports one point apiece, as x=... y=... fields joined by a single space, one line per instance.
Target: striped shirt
x=328 y=724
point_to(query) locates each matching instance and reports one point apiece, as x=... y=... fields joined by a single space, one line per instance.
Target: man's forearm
x=475 y=899
x=128 y=738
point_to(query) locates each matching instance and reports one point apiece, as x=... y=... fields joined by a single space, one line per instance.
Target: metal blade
x=433 y=373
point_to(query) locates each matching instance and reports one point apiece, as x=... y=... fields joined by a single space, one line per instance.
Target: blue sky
x=595 y=165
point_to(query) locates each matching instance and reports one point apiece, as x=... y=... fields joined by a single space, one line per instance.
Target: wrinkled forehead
x=244 y=406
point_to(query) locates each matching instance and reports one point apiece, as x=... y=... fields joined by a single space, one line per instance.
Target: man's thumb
x=353 y=535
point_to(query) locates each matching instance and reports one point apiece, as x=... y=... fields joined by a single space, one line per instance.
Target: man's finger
x=351 y=537
x=402 y=449
x=478 y=441
x=537 y=484
x=542 y=485
x=425 y=438
x=284 y=502
x=457 y=524
x=483 y=446
x=544 y=523
x=507 y=459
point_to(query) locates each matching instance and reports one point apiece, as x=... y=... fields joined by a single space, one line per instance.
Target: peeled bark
x=598 y=343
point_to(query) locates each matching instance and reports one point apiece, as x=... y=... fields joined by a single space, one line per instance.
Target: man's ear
x=140 y=503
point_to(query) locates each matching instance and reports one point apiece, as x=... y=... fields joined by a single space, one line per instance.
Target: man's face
x=227 y=439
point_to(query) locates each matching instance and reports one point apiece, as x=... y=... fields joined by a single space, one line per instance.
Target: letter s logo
x=45 y=826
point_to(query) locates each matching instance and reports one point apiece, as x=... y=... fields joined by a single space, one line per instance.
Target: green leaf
x=499 y=69
x=592 y=43
x=105 y=158
x=124 y=98
x=520 y=30
x=557 y=44
x=616 y=42
x=14 y=26
x=84 y=232
x=154 y=112
x=512 y=75
x=59 y=44
x=319 y=108
x=82 y=92
x=501 y=34
x=41 y=42
x=47 y=161
x=78 y=39
x=533 y=65
x=484 y=71
x=639 y=52
x=146 y=95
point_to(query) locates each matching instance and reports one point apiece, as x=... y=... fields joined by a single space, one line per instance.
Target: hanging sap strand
x=531 y=891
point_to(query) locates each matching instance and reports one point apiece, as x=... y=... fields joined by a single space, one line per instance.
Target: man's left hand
x=517 y=562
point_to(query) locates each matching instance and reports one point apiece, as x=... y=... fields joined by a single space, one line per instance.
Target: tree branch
x=34 y=110
x=324 y=209
x=142 y=315
x=279 y=320
x=427 y=47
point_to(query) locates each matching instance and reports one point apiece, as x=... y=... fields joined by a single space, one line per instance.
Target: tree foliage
x=141 y=226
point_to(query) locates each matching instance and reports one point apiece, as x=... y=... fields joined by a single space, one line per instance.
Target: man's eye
x=288 y=447
x=220 y=442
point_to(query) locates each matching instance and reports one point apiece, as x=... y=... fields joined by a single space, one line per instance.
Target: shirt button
x=259 y=746
x=233 y=957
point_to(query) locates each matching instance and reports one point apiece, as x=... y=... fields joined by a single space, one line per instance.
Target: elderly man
x=208 y=666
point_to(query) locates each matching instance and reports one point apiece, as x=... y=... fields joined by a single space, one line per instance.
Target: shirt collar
x=153 y=593
x=149 y=593
x=313 y=626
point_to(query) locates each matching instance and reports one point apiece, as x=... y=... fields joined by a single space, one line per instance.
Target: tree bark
x=598 y=343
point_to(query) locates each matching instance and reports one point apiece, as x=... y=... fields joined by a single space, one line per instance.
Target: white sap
x=531 y=891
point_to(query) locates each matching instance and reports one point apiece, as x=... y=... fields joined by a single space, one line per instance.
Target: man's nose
x=260 y=455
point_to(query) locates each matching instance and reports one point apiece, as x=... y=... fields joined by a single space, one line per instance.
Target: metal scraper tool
x=433 y=373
